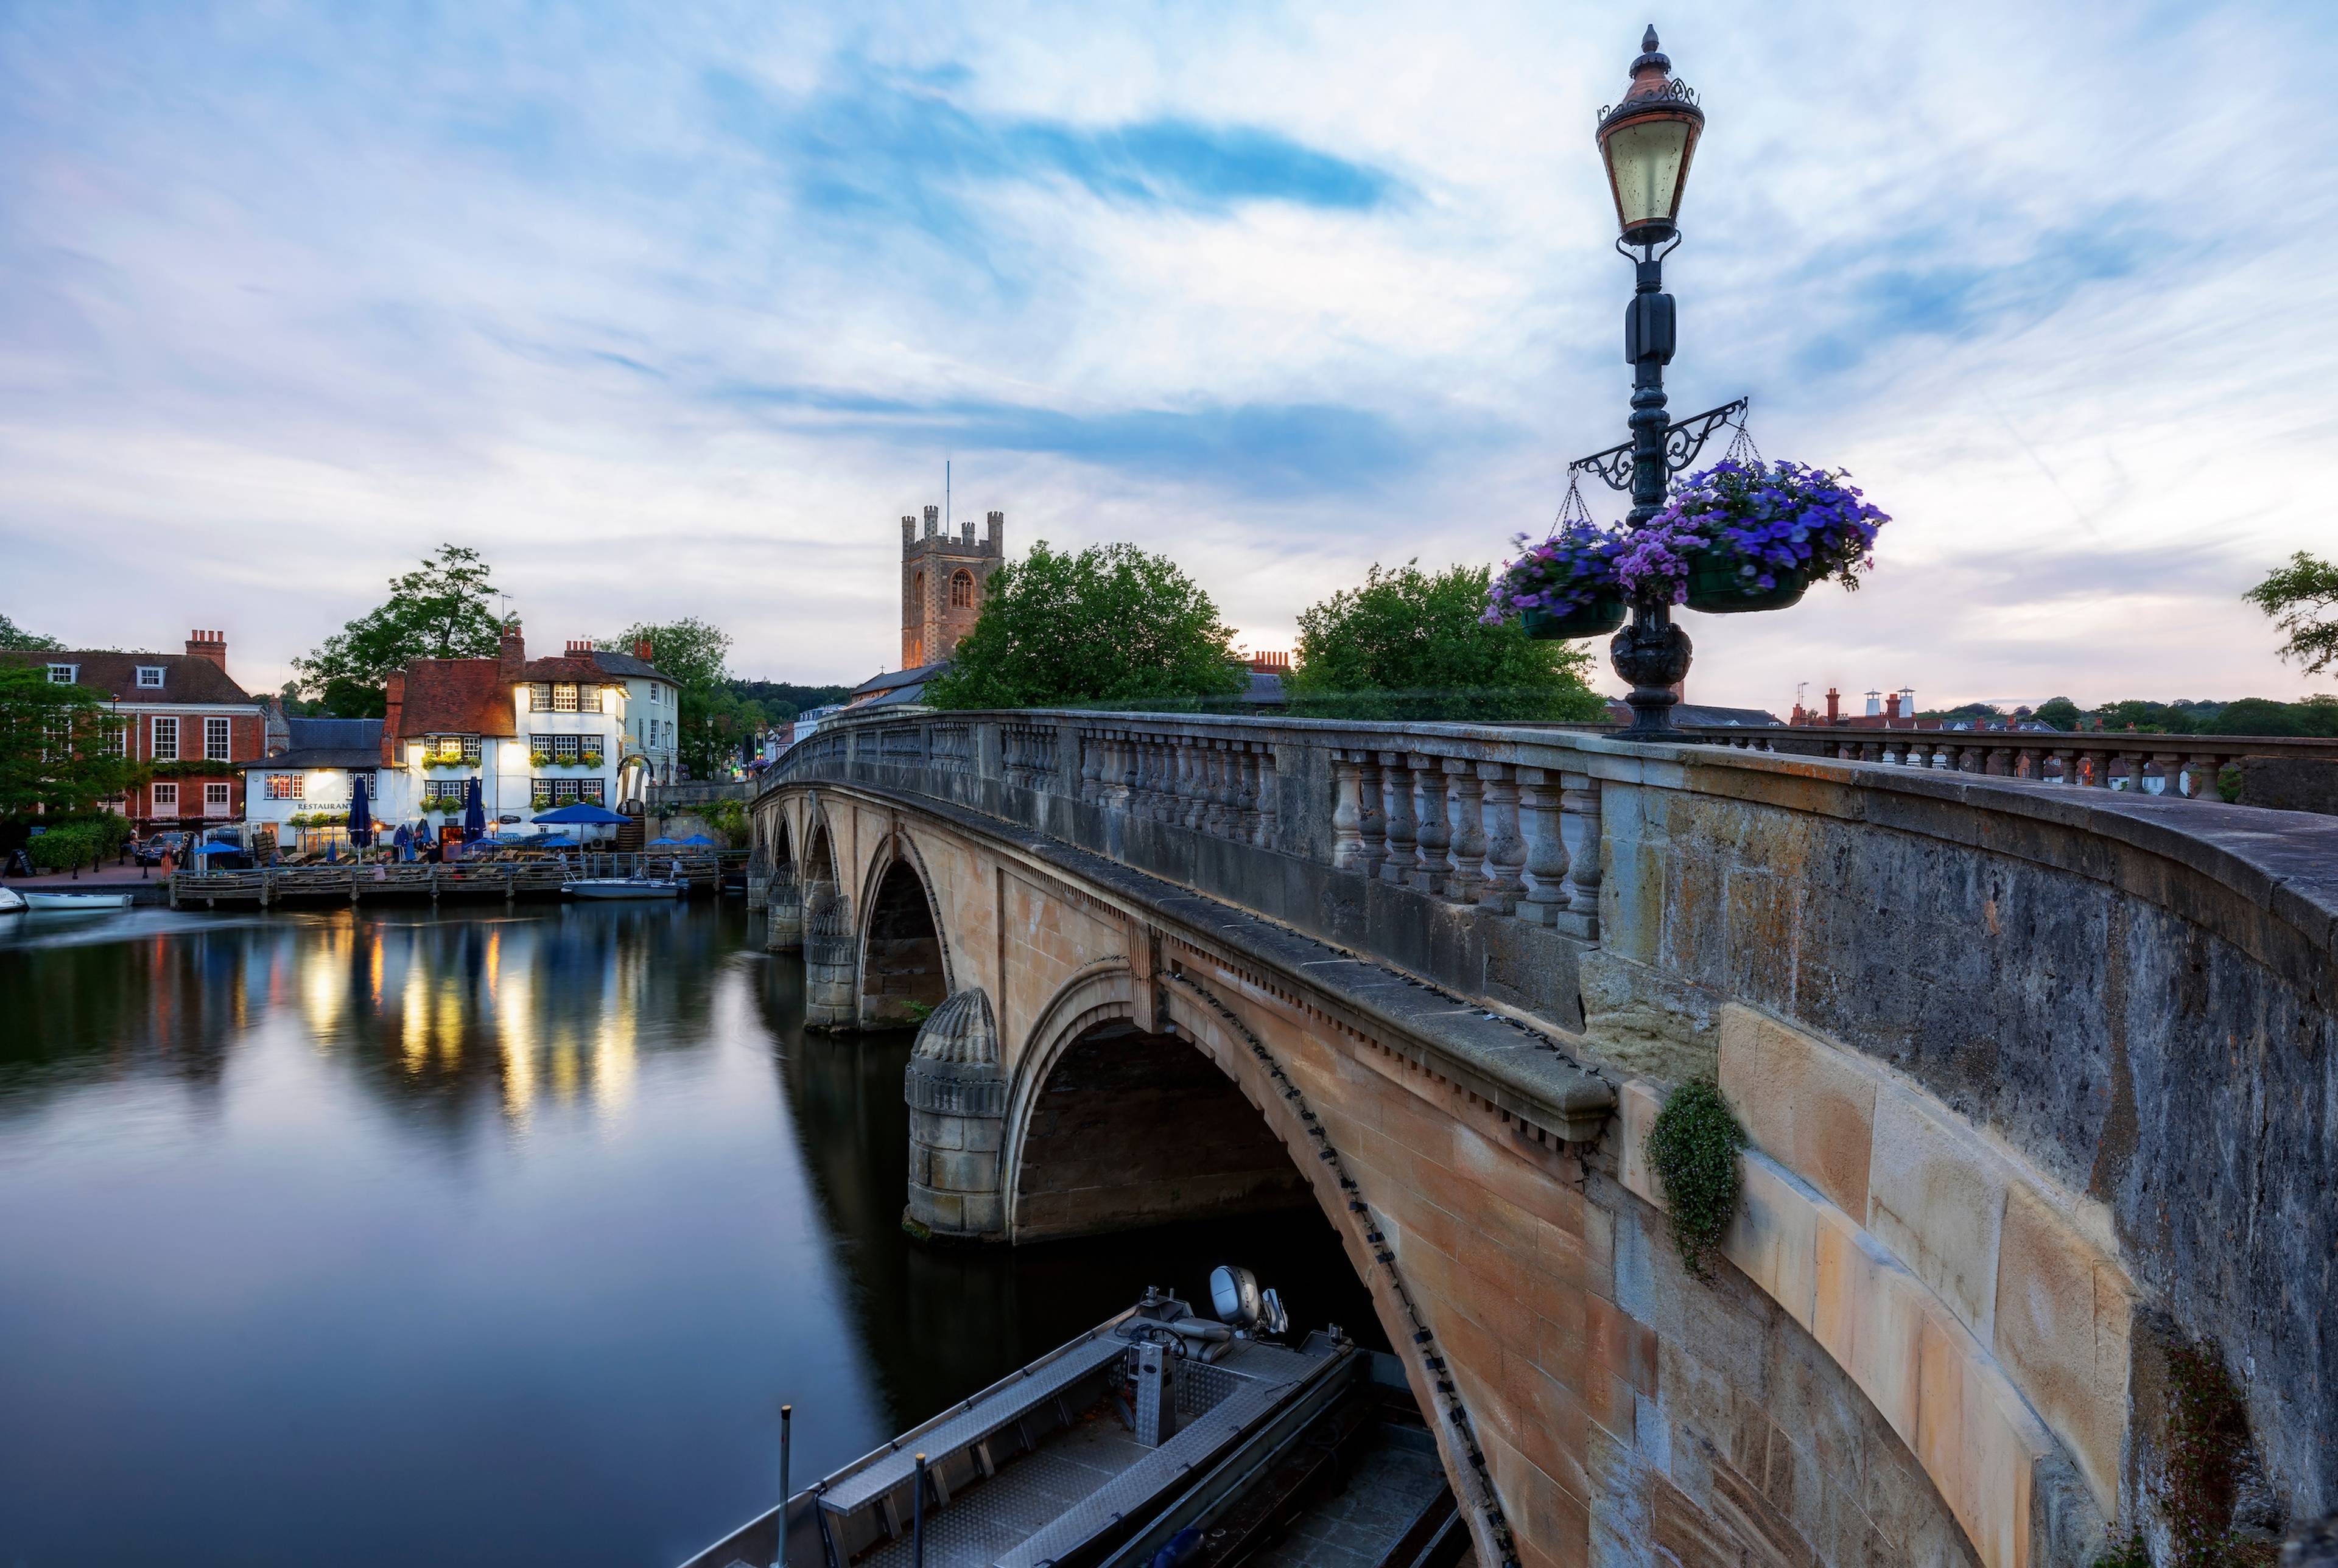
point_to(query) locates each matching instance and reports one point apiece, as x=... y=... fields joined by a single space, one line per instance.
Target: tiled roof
x=893 y=679
x=565 y=669
x=327 y=743
x=612 y=662
x=457 y=697
x=186 y=677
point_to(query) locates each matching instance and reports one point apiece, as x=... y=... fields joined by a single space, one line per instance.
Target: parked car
x=151 y=847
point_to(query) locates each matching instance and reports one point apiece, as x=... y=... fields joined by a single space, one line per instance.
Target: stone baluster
x=1505 y=849
x=1895 y=753
x=1465 y=854
x=1184 y=806
x=2066 y=757
x=1579 y=823
x=1123 y=773
x=1243 y=764
x=1540 y=824
x=1347 y=812
x=1372 y=802
x=1872 y=751
x=2171 y=774
x=2003 y=762
x=1226 y=788
x=1090 y=766
x=2204 y=768
x=1396 y=791
x=1432 y=833
x=1263 y=796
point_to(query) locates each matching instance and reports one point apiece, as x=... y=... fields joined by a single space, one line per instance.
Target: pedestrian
x=170 y=861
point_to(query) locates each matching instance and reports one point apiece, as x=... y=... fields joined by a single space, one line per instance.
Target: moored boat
x=1157 y=1438
x=621 y=887
x=11 y=901
x=74 y=903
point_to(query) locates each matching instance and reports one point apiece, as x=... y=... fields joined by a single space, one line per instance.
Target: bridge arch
x=905 y=968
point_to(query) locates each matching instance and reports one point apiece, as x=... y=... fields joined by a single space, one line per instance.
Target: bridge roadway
x=2037 y=1081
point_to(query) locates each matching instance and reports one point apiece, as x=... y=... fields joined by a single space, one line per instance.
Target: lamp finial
x=1648 y=40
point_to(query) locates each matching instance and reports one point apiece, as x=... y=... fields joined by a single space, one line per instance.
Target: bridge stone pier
x=2037 y=1081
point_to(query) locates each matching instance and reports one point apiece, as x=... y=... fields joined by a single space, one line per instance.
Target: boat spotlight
x=1234 y=1296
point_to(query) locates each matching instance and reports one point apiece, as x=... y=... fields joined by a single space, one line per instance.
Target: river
x=398 y=1237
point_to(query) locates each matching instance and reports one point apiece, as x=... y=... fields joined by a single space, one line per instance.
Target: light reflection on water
x=468 y=1237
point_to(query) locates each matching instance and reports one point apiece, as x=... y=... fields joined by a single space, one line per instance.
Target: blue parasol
x=474 y=815
x=360 y=815
x=548 y=841
x=584 y=811
x=656 y=842
x=698 y=838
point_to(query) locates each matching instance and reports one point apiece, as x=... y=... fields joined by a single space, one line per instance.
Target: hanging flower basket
x=1750 y=535
x=1720 y=582
x=1597 y=619
x=1562 y=587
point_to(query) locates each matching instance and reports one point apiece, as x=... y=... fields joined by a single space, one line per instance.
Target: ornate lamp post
x=1646 y=141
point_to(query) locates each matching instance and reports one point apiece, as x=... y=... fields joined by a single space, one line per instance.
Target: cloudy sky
x=675 y=309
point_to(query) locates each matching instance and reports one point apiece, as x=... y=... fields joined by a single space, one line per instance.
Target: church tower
x=944 y=579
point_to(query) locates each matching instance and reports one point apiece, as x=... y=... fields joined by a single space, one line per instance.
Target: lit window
x=215 y=733
x=563 y=696
x=166 y=742
x=150 y=676
x=61 y=674
x=286 y=786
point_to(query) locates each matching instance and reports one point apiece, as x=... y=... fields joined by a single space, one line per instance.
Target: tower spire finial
x=1648 y=40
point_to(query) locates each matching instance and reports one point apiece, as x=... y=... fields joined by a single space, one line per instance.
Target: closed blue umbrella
x=475 y=816
x=361 y=814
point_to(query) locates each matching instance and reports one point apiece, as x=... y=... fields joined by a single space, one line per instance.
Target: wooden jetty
x=510 y=879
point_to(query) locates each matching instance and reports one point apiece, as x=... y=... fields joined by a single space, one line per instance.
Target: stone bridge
x=2037 y=1081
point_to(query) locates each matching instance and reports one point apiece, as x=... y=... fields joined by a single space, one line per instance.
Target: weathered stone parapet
x=957 y=1094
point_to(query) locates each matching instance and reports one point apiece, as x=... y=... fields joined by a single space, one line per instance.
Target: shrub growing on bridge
x=1694 y=1148
x=1111 y=624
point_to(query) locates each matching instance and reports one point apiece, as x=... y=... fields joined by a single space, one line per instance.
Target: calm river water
x=401 y=1237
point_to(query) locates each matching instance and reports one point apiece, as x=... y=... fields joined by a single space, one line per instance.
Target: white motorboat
x=76 y=903
x=621 y=887
x=11 y=901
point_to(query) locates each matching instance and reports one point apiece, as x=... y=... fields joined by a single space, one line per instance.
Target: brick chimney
x=210 y=645
x=393 y=696
x=642 y=648
x=1891 y=707
x=1834 y=705
x=580 y=648
x=513 y=661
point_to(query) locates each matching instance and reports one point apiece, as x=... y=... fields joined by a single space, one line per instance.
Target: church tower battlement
x=945 y=578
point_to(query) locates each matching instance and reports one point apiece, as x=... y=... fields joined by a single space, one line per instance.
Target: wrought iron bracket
x=1683 y=442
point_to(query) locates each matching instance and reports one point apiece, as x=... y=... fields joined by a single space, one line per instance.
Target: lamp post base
x=1654 y=655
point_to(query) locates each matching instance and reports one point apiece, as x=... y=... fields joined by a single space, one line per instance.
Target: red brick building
x=184 y=710
x=945 y=578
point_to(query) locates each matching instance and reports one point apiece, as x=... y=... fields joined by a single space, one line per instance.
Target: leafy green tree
x=1411 y=645
x=15 y=636
x=1111 y=624
x=60 y=746
x=443 y=609
x=2059 y=712
x=2302 y=600
x=694 y=655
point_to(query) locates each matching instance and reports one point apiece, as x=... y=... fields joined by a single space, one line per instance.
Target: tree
x=60 y=746
x=694 y=655
x=15 y=636
x=2301 y=598
x=2059 y=712
x=1111 y=624
x=1411 y=645
x=443 y=609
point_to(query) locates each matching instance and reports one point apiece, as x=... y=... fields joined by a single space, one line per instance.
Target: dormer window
x=62 y=674
x=149 y=677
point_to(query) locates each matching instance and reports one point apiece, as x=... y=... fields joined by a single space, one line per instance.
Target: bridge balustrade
x=2177 y=766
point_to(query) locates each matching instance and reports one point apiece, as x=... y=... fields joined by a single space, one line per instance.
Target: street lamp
x=1646 y=141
